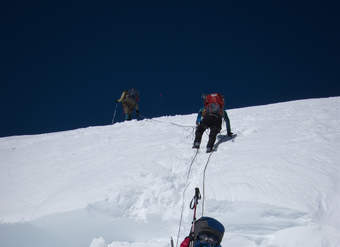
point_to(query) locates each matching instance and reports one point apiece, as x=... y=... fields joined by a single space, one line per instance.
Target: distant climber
x=129 y=100
x=207 y=232
x=210 y=116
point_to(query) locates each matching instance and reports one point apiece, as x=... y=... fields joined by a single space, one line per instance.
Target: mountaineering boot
x=196 y=145
x=209 y=149
x=128 y=117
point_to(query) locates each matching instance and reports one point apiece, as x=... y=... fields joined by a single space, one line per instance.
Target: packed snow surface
x=277 y=184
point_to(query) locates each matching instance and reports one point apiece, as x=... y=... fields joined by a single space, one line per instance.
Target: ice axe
x=193 y=205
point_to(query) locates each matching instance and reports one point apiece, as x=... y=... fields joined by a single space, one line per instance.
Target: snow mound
x=275 y=184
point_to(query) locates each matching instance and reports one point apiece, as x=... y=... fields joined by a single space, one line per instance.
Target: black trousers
x=214 y=123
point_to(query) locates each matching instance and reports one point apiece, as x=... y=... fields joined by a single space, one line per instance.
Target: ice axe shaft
x=114 y=114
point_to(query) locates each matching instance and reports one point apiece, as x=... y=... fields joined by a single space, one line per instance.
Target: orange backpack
x=214 y=104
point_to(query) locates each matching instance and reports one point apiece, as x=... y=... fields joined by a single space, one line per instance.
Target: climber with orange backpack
x=210 y=116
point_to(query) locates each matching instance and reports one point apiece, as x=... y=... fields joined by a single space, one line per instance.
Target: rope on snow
x=183 y=195
x=203 y=195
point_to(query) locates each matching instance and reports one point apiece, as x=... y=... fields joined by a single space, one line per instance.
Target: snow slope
x=276 y=184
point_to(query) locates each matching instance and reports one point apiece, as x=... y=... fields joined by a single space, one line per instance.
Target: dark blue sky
x=64 y=63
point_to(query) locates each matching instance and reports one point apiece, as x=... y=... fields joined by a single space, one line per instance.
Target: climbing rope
x=175 y=124
x=203 y=194
x=160 y=121
x=192 y=132
x=183 y=195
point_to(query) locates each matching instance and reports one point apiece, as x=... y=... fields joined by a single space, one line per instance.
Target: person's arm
x=199 y=116
x=121 y=97
x=137 y=110
x=186 y=242
x=227 y=122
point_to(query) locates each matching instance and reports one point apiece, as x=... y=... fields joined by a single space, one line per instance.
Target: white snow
x=277 y=184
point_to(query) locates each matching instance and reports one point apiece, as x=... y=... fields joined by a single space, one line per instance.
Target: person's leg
x=215 y=128
x=126 y=111
x=130 y=104
x=198 y=134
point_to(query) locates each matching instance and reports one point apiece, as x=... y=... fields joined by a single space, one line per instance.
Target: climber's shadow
x=223 y=138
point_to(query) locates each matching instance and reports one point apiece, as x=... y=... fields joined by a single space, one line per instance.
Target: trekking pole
x=193 y=205
x=114 y=114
